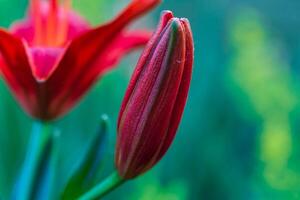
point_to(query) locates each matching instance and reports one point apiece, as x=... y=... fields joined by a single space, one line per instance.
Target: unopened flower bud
x=154 y=101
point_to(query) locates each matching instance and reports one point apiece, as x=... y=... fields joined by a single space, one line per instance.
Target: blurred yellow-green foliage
x=239 y=137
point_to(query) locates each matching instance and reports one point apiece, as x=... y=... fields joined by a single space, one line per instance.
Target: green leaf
x=83 y=176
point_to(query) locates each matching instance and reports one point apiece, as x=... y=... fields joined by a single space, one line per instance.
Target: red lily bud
x=155 y=99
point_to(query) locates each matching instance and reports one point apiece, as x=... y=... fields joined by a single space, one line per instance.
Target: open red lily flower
x=154 y=101
x=50 y=59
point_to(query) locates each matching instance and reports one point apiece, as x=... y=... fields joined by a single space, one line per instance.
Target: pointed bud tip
x=185 y=21
x=167 y=13
x=176 y=25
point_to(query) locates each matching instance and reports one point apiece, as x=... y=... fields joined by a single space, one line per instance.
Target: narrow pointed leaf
x=83 y=176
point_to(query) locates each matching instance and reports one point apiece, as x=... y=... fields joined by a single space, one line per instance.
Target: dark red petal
x=164 y=19
x=80 y=63
x=183 y=90
x=16 y=70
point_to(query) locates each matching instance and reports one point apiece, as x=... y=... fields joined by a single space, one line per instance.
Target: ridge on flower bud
x=155 y=98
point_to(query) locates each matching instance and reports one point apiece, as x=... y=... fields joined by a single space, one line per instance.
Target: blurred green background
x=239 y=137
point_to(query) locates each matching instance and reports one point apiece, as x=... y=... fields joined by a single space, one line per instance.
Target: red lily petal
x=164 y=19
x=82 y=58
x=2 y=63
x=182 y=92
x=16 y=70
x=25 y=29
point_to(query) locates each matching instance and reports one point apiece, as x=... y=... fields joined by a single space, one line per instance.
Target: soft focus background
x=239 y=137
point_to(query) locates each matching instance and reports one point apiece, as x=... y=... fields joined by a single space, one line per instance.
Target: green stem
x=103 y=188
x=40 y=135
